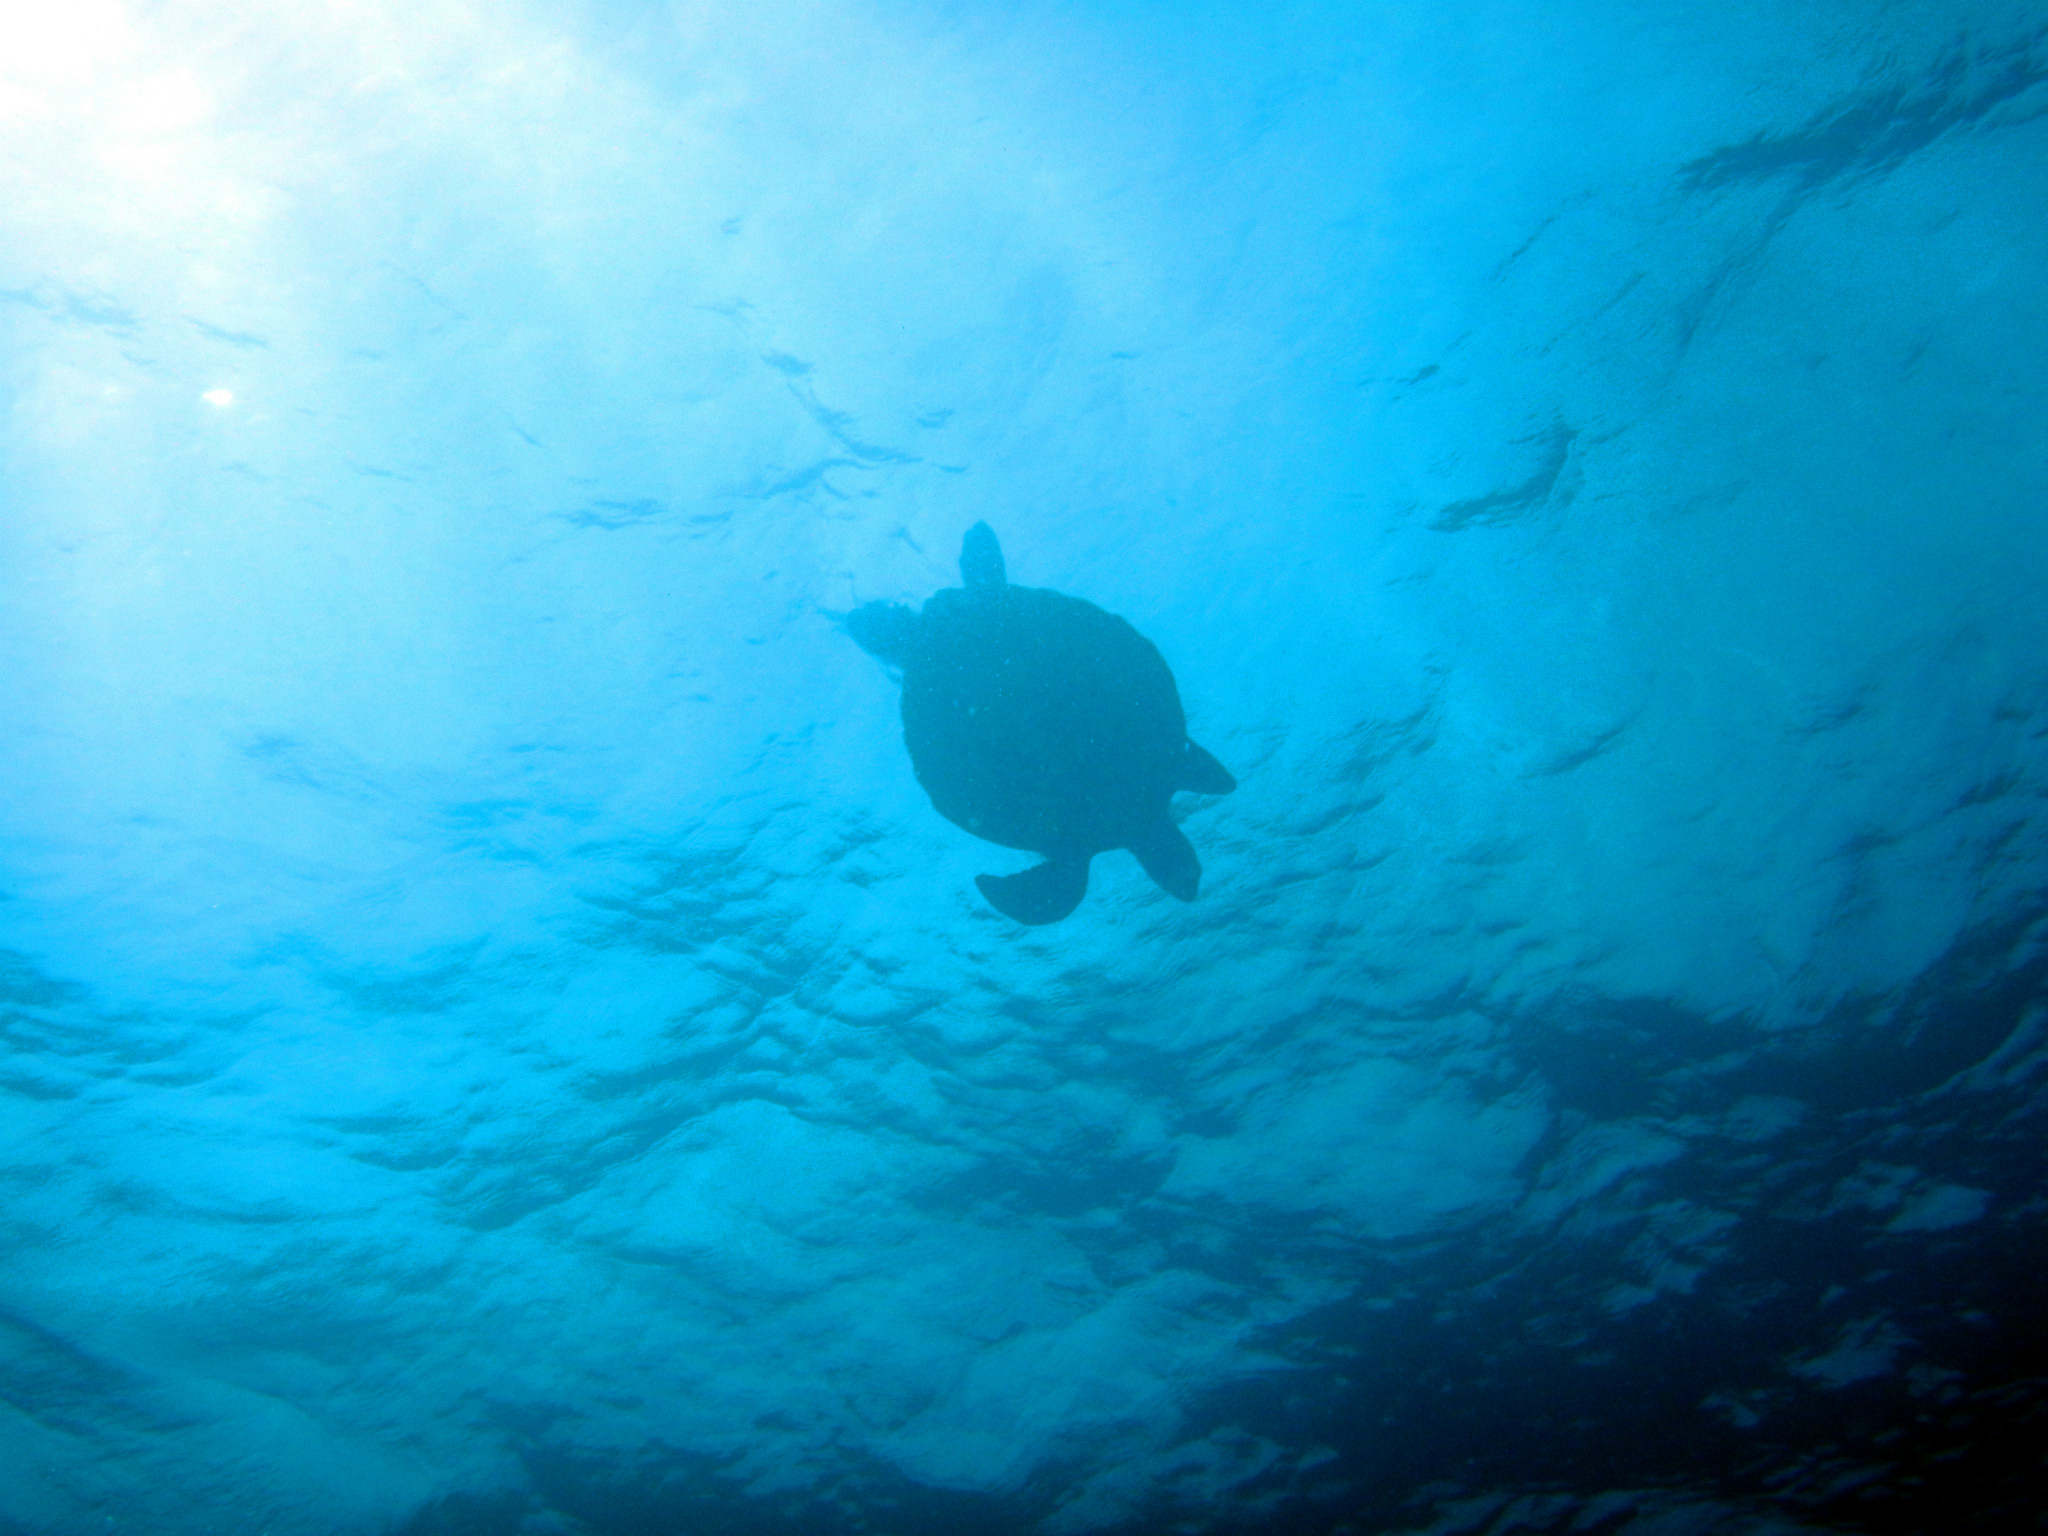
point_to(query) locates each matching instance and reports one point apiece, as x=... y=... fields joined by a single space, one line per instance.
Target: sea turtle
x=1039 y=722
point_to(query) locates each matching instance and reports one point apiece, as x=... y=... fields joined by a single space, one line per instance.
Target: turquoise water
x=496 y=1040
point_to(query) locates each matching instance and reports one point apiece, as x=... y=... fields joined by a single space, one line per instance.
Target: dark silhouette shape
x=1039 y=722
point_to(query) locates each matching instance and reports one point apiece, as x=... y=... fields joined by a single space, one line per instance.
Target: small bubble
x=219 y=397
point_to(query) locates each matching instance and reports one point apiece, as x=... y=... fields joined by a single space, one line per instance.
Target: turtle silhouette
x=1040 y=722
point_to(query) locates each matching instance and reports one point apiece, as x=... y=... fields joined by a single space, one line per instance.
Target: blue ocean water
x=495 y=1038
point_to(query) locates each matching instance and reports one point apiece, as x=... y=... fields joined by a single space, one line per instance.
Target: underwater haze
x=494 y=1038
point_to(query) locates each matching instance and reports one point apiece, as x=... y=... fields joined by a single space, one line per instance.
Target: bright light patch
x=219 y=397
x=166 y=102
x=45 y=43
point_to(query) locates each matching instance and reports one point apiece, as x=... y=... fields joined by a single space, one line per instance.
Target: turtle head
x=886 y=631
x=981 y=558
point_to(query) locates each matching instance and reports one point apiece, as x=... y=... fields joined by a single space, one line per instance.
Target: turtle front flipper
x=1042 y=895
x=1169 y=858
x=1201 y=773
x=981 y=558
x=886 y=631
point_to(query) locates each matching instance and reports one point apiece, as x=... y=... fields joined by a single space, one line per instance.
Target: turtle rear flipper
x=1042 y=895
x=1169 y=858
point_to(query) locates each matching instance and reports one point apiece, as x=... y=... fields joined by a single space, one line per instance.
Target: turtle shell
x=1038 y=721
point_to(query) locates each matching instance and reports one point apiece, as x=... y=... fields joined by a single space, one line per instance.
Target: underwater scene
x=1023 y=768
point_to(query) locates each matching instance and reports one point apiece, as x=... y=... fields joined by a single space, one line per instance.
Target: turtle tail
x=1041 y=895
